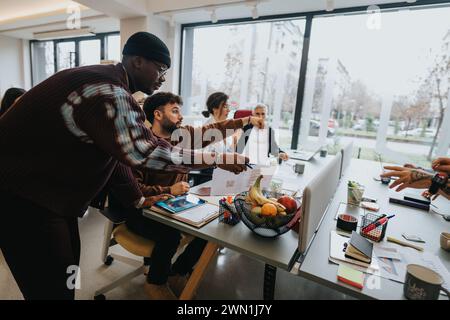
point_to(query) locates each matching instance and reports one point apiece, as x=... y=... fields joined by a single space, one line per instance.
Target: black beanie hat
x=149 y=46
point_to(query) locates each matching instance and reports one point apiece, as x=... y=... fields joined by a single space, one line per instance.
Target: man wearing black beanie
x=80 y=133
x=146 y=59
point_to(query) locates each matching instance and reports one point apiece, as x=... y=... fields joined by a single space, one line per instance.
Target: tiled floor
x=230 y=275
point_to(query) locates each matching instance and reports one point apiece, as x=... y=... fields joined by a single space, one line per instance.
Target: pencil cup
x=377 y=234
x=355 y=194
x=228 y=213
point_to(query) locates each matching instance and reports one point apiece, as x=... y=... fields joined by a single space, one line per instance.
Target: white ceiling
x=22 y=8
x=20 y=18
x=266 y=7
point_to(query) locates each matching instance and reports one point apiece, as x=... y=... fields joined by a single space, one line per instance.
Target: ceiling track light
x=214 y=16
x=330 y=5
x=255 y=13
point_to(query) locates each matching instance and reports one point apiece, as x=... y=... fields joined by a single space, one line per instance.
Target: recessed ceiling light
x=66 y=33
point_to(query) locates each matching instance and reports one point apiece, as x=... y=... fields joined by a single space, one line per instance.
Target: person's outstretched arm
x=108 y=118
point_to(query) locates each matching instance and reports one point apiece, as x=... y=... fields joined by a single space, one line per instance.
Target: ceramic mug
x=422 y=283
x=299 y=168
x=445 y=241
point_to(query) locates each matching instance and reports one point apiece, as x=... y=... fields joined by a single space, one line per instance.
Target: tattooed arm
x=408 y=178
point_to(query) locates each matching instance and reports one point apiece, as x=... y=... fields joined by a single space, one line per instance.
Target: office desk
x=275 y=253
x=316 y=266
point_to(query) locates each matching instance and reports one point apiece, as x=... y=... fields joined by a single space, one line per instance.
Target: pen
x=249 y=165
x=379 y=222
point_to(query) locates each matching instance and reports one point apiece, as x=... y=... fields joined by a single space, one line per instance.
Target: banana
x=256 y=195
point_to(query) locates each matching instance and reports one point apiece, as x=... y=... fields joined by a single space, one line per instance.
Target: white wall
x=26 y=64
x=11 y=64
x=160 y=28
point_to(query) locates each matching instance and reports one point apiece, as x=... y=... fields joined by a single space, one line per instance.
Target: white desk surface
x=316 y=266
x=278 y=252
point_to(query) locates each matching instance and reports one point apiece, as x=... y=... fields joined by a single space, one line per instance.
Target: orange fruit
x=269 y=210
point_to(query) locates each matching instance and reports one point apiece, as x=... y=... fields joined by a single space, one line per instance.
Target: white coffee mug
x=445 y=241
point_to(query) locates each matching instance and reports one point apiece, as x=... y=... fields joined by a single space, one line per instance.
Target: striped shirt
x=63 y=139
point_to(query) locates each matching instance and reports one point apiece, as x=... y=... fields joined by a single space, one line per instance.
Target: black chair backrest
x=115 y=211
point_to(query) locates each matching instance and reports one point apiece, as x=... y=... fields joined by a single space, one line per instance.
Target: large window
x=65 y=55
x=90 y=52
x=252 y=63
x=380 y=78
x=385 y=88
x=113 y=47
x=51 y=56
x=43 y=54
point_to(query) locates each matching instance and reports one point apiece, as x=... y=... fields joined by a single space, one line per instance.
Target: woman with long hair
x=10 y=97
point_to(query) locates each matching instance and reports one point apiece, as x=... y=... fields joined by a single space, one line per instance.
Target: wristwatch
x=439 y=181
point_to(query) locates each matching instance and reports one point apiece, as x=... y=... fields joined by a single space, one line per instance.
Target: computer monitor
x=317 y=196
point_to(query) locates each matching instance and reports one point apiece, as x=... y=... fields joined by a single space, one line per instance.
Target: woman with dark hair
x=217 y=111
x=10 y=97
x=217 y=107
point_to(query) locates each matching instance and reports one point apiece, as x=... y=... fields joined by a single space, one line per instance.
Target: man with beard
x=163 y=111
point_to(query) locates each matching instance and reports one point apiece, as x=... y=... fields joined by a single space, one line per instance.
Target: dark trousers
x=167 y=240
x=41 y=249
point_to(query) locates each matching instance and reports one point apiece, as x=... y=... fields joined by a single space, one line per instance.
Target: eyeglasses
x=161 y=70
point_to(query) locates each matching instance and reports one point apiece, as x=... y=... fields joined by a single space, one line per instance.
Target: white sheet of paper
x=227 y=183
x=387 y=252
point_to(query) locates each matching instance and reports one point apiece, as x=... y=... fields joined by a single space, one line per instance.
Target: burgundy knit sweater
x=63 y=139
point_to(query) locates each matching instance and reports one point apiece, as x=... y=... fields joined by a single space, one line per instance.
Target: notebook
x=181 y=203
x=338 y=243
x=350 y=276
x=359 y=248
x=196 y=217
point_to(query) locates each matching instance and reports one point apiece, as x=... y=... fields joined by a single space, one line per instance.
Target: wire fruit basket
x=265 y=226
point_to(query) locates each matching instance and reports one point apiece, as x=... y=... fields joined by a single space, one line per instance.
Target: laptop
x=303 y=155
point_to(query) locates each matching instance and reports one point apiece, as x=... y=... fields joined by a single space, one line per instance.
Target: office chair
x=116 y=232
x=242 y=114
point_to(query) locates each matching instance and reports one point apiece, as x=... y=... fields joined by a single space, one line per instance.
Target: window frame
x=309 y=16
x=99 y=36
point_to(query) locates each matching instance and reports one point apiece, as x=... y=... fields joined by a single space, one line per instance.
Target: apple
x=289 y=203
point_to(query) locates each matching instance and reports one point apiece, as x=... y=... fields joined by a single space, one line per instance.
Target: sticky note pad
x=351 y=276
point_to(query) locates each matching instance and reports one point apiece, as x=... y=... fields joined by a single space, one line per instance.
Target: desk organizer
x=228 y=213
x=376 y=234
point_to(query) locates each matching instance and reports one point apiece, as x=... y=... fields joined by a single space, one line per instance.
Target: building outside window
x=385 y=87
